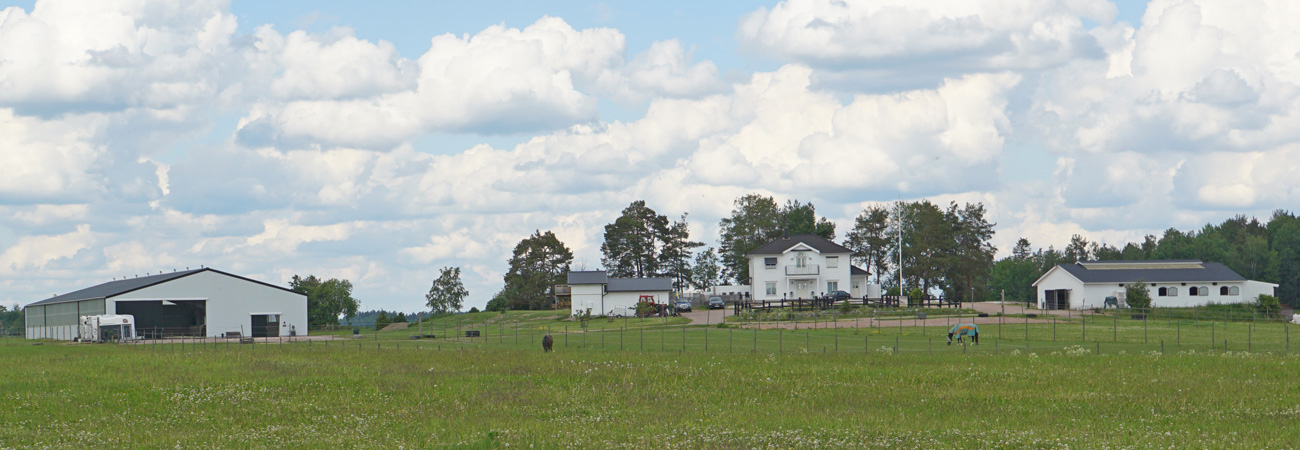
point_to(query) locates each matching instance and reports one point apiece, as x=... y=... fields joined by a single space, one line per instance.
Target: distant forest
x=1263 y=251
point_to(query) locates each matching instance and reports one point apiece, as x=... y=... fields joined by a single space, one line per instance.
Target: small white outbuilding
x=596 y=293
x=198 y=302
x=1172 y=283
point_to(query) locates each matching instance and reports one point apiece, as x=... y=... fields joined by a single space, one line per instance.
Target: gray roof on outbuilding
x=1208 y=272
x=781 y=244
x=588 y=277
x=119 y=287
x=639 y=284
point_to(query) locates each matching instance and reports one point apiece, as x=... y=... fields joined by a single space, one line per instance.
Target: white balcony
x=811 y=269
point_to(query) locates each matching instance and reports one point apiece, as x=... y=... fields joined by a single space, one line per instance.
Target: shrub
x=916 y=293
x=473 y=309
x=1137 y=295
x=1268 y=305
x=846 y=307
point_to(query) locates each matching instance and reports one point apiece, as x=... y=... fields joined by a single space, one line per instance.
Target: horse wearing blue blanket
x=964 y=329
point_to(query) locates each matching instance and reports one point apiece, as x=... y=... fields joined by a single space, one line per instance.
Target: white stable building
x=1172 y=283
x=805 y=266
x=596 y=293
x=198 y=302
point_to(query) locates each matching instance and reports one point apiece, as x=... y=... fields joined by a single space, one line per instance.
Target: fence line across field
x=900 y=331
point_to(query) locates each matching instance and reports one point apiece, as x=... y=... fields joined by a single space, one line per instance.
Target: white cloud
x=37 y=251
x=335 y=65
x=1208 y=84
x=498 y=80
x=47 y=160
x=68 y=55
x=993 y=35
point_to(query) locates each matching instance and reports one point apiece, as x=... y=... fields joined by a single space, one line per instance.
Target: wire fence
x=892 y=331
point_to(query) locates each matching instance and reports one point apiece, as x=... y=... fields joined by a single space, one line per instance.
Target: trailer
x=107 y=328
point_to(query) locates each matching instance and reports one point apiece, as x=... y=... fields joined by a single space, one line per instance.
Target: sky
x=381 y=141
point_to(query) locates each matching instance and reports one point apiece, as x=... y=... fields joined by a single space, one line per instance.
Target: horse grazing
x=547 y=342
x=964 y=329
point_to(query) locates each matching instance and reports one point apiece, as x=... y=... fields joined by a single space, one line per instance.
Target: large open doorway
x=1056 y=299
x=266 y=325
x=162 y=318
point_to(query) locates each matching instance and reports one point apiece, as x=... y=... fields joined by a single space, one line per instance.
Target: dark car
x=716 y=303
x=838 y=295
x=682 y=306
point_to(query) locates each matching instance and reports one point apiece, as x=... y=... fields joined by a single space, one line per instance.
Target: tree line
x=1262 y=251
x=944 y=249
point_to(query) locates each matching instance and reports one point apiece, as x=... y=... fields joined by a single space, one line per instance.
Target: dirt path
x=893 y=323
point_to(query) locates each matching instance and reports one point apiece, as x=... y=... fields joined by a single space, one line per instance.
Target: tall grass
x=475 y=393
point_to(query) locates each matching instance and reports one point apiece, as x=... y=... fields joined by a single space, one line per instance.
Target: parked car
x=716 y=303
x=682 y=306
x=838 y=295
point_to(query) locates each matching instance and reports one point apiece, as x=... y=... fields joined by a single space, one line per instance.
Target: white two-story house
x=804 y=266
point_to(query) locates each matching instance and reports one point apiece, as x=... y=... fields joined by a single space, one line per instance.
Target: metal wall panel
x=90 y=307
x=35 y=316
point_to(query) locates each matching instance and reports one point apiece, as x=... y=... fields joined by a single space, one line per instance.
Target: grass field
x=645 y=384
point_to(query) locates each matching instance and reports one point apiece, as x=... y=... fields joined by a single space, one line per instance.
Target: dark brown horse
x=547 y=342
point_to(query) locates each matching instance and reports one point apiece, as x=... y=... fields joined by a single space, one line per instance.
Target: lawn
x=666 y=386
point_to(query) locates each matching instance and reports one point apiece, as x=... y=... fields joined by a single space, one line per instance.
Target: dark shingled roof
x=1207 y=273
x=588 y=277
x=112 y=288
x=855 y=270
x=613 y=284
x=781 y=244
x=119 y=287
x=639 y=284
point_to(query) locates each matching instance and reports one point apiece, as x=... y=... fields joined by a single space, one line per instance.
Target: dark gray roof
x=639 y=284
x=781 y=244
x=119 y=287
x=855 y=270
x=1208 y=272
x=588 y=277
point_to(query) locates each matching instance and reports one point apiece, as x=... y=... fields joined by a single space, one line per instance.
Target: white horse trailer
x=107 y=328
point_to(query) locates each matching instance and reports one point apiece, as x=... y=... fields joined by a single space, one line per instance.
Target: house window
x=769 y=263
x=832 y=286
x=1191 y=291
x=1163 y=292
x=1203 y=291
x=771 y=288
x=1173 y=292
x=1223 y=290
x=801 y=260
x=832 y=262
x=1234 y=291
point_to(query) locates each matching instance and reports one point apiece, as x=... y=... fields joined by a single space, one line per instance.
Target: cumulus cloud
x=943 y=36
x=78 y=56
x=47 y=161
x=1201 y=84
x=499 y=80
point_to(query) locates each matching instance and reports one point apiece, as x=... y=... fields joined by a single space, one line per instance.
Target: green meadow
x=655 y=383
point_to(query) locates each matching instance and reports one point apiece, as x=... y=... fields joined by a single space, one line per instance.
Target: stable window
x=771 y=288
x=1234 y=291
x=1173 y=292
x=769 y=262
x=1223 y=290
x=1191 y=291
x=1163 y=292
x=832 y=262
x=1203 y=291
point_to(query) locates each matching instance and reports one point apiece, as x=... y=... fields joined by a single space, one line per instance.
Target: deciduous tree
x=327 y=300
x=448 y=293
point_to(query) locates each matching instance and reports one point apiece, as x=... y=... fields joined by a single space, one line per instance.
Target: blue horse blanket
x=964 y=329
